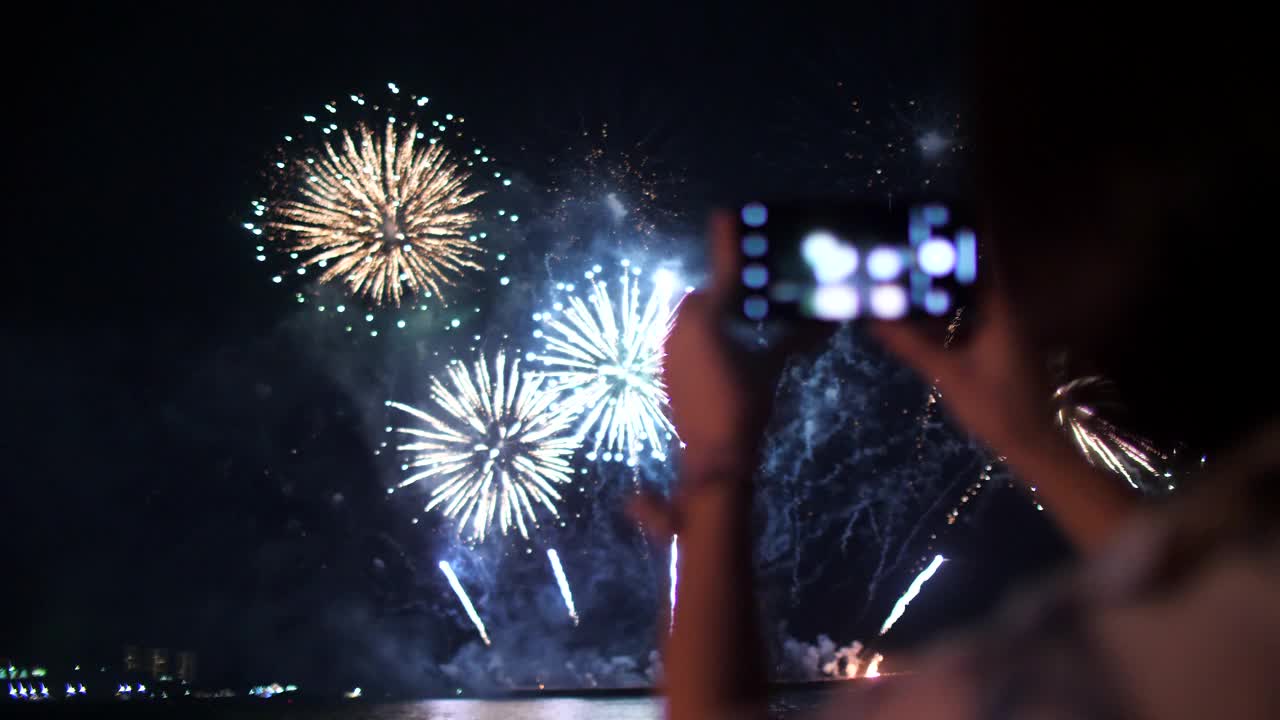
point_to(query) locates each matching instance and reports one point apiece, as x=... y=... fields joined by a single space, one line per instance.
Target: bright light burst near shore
x=496 y=448
x=382 y=211
x=605 y=351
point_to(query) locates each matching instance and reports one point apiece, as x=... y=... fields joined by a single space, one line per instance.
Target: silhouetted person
x=1125 y=183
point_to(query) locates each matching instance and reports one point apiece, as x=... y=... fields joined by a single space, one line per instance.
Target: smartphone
x=841 y=261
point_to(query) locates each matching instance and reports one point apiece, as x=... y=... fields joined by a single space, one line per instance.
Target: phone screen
x=841 y=262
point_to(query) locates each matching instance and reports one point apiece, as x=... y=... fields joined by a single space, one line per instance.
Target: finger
x=686 y=342
x=694 y=309
x=929 y=358
x=654 y=514
x=996 y=313
x=992 y=310
x=722 y=234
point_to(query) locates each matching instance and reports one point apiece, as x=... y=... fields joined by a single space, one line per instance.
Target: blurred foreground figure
x=1126 y=187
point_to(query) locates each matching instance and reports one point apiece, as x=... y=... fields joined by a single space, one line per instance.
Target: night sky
x=181 y=470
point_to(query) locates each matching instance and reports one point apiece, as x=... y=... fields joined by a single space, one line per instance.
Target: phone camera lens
x=754 y=245
x=755 y=214
x=755 y=307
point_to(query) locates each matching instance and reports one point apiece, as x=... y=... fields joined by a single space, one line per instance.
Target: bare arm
x=720 y=401
x=1084 y=501
x=994 y=387
x=714 y=659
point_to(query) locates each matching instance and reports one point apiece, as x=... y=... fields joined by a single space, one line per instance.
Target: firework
x=619 y=169
x=382 y=213
x=466 y=601
x=671 y=580
x=378 y=210
x=606 y=352
x=873 y=667
x=845 y=662
x=563 y=582
x=1101 y=441
x=874 y=145
x=912 y=590
x=497 y=447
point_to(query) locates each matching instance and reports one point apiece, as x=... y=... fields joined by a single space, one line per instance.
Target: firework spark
x=1101 y=442
x=381 y=213
x=912 y=590
x=672 y=577
x=563 y=582
x=466 y=601
x=618 y=172
x=498 y=446
x=606 y=351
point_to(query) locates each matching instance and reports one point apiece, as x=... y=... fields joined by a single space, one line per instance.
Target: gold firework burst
x=382 y=213
x=1082 y=403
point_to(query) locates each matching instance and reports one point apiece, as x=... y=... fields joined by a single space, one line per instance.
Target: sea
x=783 y=706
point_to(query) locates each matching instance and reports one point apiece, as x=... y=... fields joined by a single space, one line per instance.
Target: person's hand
x=720 y=393
x=714 y=407
x=994 y=385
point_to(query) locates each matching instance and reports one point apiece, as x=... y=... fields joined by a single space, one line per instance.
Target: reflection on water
x=783 y=706
x=540 y=709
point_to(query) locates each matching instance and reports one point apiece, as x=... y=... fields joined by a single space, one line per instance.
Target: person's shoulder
x=1186 y=607
x=1178 y=617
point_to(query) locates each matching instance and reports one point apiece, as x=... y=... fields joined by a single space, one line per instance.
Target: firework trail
x=563 y=582
x=606 y=352
x=466 y=601
x=1101 y=442
x=839 y=415
x=381 y=213
x=497 y=447
x=671 y=580
x=912 y=590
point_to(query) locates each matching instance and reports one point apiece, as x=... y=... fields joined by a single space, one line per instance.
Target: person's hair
x=1125 y=161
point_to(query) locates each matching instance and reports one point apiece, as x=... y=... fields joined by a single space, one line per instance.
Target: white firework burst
x=605 y=352
x=496 y=448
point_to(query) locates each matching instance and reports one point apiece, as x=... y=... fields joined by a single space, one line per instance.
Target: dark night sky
x=151 y=495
